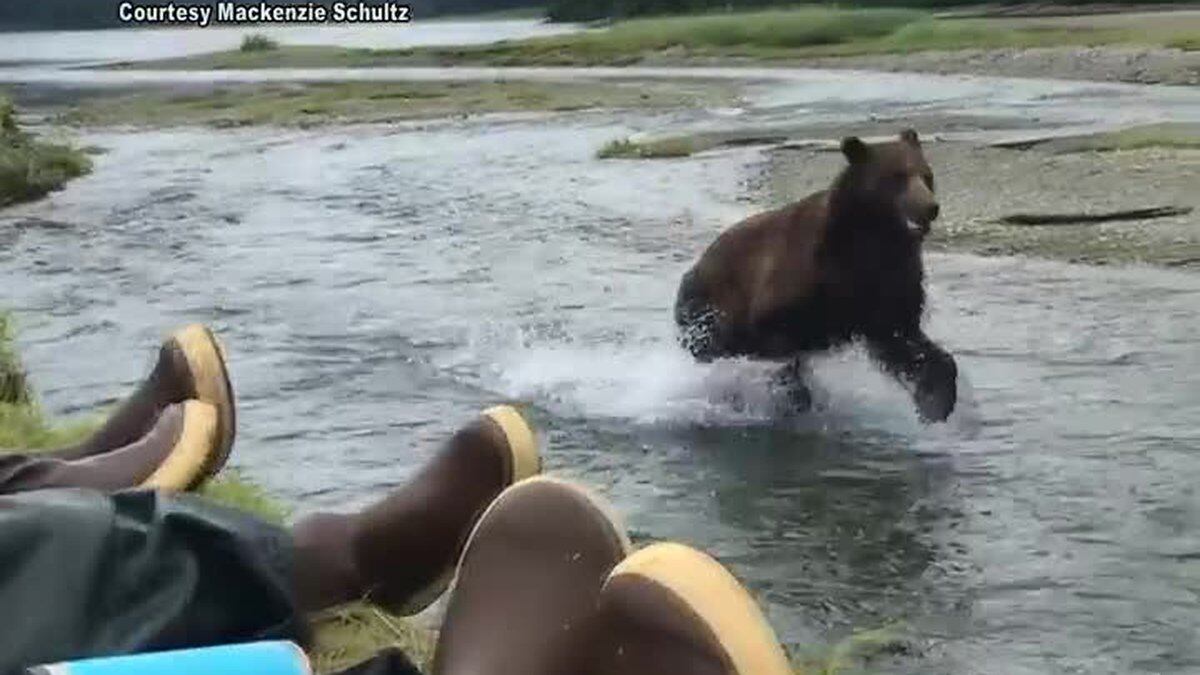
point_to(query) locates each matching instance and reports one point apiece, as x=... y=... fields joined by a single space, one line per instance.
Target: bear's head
x=892 y=179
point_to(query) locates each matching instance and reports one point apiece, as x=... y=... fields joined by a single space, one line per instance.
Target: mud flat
x=980 y=186
x=1132 y=64
x=314 y=104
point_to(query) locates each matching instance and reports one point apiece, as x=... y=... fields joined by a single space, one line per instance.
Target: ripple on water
x=1049 y=527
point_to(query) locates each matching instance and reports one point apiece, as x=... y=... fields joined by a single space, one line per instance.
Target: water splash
x=651 y=381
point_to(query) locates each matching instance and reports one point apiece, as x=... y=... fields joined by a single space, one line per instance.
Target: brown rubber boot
x=191 y=365
x=400 y=553
x=671 y=609
x=528 y=581
x=169 y=457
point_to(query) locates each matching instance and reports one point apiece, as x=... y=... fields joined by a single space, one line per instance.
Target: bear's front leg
x=792 y=382
x=923 y=365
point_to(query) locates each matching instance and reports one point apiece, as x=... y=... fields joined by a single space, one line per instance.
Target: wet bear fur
x=841 y=265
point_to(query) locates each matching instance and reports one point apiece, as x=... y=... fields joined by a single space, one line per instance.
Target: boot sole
x=718 y=600
x=184 y=464
x=206 y=360
x=603 y=511
x=524 y=462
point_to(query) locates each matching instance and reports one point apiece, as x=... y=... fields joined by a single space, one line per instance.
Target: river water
x=378 y=285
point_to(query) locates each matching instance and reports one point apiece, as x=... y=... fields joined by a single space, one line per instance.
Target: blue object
x=256 y=658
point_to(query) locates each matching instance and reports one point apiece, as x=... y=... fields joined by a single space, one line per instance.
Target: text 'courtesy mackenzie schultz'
x=208 y=14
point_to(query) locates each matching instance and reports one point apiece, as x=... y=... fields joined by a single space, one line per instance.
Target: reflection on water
x=379 y=285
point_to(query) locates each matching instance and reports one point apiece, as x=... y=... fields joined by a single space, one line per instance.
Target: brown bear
x=840 y=265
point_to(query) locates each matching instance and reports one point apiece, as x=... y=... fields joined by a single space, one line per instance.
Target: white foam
x=654 y=382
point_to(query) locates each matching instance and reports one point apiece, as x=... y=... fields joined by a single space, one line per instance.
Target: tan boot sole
x=718 y=600
x=604 y=509
x=522 y=442
x=206 y=360
x=185 y=465
x=524 y=461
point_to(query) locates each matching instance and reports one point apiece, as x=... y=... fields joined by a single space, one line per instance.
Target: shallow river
x=376 y=286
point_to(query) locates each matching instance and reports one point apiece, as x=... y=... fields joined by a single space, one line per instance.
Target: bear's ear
x=855 y=150
x=910 y=136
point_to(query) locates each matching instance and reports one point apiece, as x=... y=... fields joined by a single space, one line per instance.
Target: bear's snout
x=920 y=219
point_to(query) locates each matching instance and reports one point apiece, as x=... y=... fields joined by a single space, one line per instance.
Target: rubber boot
x=528 y=581
x=171 y=457
x=671 y=609
x=191 y=365
x=400 y=553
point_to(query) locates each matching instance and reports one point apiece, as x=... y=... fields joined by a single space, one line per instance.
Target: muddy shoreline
x=1127 y=64
x=979 y=186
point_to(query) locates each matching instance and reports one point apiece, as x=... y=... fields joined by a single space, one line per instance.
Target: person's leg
x=528 y=580
x=191 y=365
x=171 y=456
x=89 y=574
x=104 y=575
x=400 y=552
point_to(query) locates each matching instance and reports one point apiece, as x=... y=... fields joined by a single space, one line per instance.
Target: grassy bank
x=31 y=168
x=1155 y=136
x=349 y=102
x=783 y=34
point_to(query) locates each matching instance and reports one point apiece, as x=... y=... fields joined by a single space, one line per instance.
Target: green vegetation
x=685 y=145
x=325 y=103
x=258 y=42
x=349 y=635
x=781 y=29
x=853 y=653
x=236 y=491
x=779 y=34
x=1176 y=136
x=30 y=168
x=665 y=148
x=1188 y=43
x=817 y=31
x=1167 y=136
x=592 y=10
x=13 y=387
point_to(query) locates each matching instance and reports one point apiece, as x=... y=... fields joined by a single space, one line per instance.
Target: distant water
x=160 y=43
